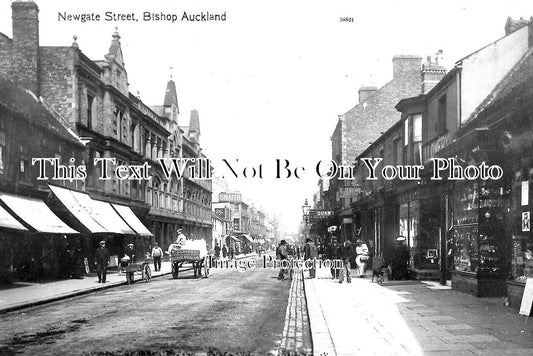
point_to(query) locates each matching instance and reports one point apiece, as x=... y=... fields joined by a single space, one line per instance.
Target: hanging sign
x=525 y=221
x=525 y=193
x=527 y=298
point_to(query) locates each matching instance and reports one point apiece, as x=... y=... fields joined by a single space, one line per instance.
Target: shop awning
x=132 y=220
x=6 y=220
x=248 y=237
x=106 y=216
x=36 y=214
x=68 y=198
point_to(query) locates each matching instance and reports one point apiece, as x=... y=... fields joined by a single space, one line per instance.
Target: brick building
x=471 y=228
x=363 y=124
x=94 y=98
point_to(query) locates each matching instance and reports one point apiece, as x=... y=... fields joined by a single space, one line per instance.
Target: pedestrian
x=130 y=252
x=400 y=260
x=157 y=253
x=282 y=255
x=224 y=251
x=311 y=253
x=346 y=254
x=217 y=250
x=332 y=253
x=361 y=250
x=101 y=260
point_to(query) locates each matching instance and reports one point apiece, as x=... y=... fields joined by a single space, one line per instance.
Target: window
x=90 y=100
x=417 y=139
x=441 y=115
x=2 y=145
x=406 y=132
x=23 y=166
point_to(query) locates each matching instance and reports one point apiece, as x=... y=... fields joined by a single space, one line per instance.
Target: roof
x=194 y=123
x=170 y=95
x=521 y=74
x=26 y=104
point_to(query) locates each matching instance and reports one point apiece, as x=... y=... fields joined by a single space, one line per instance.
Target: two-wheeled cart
x=129 y=269
x=189 y=260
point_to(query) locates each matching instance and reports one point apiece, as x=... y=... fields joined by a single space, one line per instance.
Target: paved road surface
x=230 y=311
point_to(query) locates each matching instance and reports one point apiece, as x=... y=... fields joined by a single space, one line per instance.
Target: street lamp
x=305 y=210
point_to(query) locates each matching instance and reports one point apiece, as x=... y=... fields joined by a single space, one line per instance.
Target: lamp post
x=305 y=210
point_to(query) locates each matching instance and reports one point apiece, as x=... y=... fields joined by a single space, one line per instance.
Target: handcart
x=129 y=269
x=192 y=260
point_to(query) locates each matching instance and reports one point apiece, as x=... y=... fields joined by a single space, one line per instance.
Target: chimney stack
x=25 y=69
x=406 y=66
x=365 y=92
x=432 y=72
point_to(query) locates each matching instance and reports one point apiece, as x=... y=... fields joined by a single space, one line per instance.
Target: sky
x=271 y=80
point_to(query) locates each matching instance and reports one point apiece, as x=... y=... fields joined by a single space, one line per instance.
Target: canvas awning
x=106 y=216
x=69 y=200
x=248 y=237
x=97 y=216
x=7 y=220
x=36 y=214
x=132 y=220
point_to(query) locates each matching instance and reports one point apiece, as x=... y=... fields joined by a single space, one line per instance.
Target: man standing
x=346 y=254
x=332 y=253
x=311 y=253
x=217 y=250
x=224 y=251
x=156 y=255
x=282 y=255
x=101 y=260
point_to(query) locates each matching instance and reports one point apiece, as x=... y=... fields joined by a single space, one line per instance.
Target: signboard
x=526 y=221
x=185 y=254
x=220 y=212
x=525 y=193
x=349 y=192
x=527 y=298
x=315 y=215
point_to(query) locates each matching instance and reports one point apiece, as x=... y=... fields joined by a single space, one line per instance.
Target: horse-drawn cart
x=189 y=260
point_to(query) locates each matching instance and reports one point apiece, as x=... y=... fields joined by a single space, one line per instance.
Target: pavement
x=410 y=318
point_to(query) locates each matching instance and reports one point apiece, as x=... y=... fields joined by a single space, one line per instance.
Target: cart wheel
x=175 y=270
x=147 y=273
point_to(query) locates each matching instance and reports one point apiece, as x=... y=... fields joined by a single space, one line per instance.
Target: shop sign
x=526 y=221
x=349 y=192
x=525 y=193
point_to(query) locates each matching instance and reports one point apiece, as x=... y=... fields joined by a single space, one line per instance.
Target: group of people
x=347 y=252
x=334 y=251
x=102 y=255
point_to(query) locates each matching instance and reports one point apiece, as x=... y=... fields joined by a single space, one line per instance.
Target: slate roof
x=518 y=77
x=26 y=104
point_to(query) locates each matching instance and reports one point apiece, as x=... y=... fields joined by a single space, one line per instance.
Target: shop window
x=479 y=230
x=409 y=223
x=522 y=240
